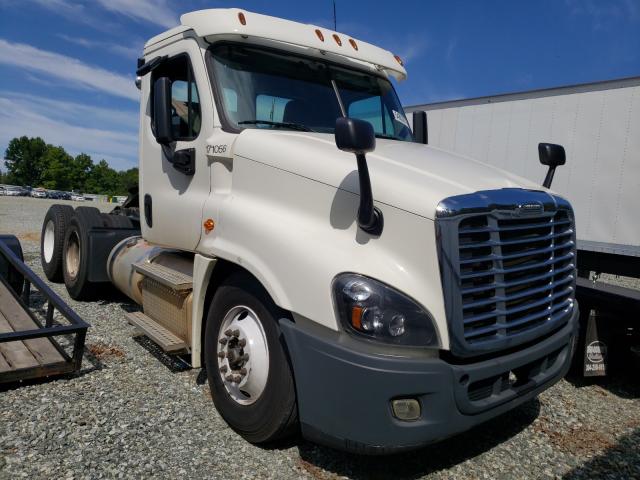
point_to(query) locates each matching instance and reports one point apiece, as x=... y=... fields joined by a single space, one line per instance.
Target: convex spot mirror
x=354 y=135
x=162 y=111
x=551 y=155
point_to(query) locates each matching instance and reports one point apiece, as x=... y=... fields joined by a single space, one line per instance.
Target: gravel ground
x=128 y=415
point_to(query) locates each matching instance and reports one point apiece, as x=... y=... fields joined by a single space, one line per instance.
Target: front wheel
x=249 y=373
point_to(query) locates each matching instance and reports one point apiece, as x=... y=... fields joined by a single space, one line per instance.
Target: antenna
x=335 y=24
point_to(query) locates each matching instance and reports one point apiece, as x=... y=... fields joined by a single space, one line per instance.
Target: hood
x=409 y=176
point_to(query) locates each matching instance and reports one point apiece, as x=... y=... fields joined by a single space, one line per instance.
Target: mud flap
x=596 y=345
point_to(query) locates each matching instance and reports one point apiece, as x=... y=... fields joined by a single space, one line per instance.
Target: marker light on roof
x=337 y=39
x=319 y=34
x=243 y=20
x=399 y=60
x=353 y=44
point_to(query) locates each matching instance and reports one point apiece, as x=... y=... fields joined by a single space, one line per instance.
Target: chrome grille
x=507 y=276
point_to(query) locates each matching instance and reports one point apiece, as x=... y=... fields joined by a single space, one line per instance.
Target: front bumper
x=344 y=388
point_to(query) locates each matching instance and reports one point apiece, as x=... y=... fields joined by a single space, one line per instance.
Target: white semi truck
x=374 y=303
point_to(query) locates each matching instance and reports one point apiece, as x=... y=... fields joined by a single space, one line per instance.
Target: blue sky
x=67 y=66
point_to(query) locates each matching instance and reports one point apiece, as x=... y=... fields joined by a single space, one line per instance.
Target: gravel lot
x=128 y=415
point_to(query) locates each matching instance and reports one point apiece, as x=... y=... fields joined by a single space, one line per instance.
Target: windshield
x=263 y=88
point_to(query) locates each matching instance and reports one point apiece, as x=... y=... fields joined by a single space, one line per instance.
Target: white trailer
x=599 y=126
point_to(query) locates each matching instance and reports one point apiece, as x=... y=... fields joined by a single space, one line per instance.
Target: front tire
x=249 y=373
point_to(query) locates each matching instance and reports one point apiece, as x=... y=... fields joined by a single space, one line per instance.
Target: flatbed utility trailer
x=30 y=349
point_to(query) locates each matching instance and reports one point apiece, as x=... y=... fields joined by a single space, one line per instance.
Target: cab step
x=168 y=277
x=168 y=341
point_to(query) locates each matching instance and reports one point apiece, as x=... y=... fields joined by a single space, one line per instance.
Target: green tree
x=128 y=179
x=30 y=161
x=24 y=160
x=102 y=179
x=80 y=170
x=57 y=173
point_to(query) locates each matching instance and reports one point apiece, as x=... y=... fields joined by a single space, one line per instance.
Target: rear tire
x=91 y=215
x=262 y=406
x=117 y=221
x=75 y=264
x=52 y=236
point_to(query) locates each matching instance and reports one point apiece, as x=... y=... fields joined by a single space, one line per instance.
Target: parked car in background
x=39 y=193
x=3 y=190
x=59 y=195
x=14 y=191
x=77 y=197
x=55 y=194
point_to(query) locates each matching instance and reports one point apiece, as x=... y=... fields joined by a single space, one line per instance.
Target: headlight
x=374 y=310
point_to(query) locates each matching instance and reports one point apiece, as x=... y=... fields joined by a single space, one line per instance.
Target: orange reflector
x=243 y=20
x=356 y=317
x=353 y=44
x=337 y=39
x=320 y=35
x=399 y=60
x=209 y=224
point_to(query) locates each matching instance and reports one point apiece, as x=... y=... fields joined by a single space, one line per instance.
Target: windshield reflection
x=263 y=88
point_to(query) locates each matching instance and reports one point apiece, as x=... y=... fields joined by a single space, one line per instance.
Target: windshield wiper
x=292 y=126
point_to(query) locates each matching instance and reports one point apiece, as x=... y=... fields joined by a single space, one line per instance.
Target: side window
x=185 y=102
x=373 y=110
x=369 y=109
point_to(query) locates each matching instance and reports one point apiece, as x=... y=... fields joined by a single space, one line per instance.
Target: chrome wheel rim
x=48 y=241
x=243 y=355
x=72 y=255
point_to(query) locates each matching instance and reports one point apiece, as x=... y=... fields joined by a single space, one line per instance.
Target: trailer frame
x=70 y=362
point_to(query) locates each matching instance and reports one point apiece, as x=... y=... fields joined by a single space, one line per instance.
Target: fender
x=202 y=270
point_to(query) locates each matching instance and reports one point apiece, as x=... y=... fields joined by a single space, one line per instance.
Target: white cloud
x=50 y=120
x=62 y=6
x=67 y=68
x=72 y=10
x=604 y=14
x=131 y=52
x=120 y=120
x=157 y=11
x=413 y=47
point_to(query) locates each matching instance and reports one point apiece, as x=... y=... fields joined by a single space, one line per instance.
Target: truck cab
x=330 y=271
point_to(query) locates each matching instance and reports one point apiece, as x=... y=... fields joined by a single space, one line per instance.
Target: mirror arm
x=549 y=178
x=183 y=161
x=420 y=132
x=369 y=217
